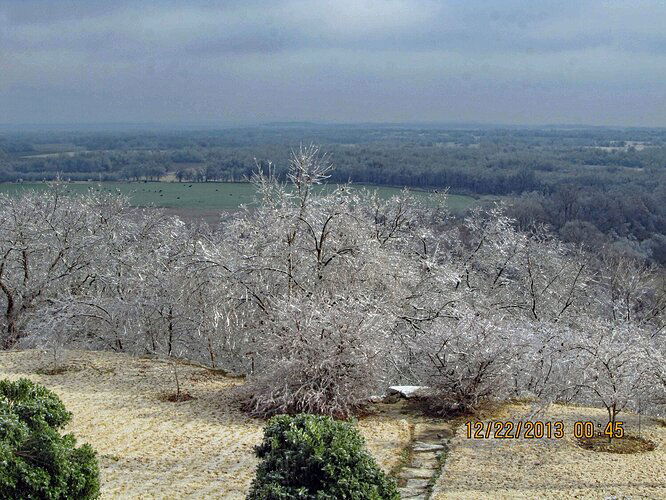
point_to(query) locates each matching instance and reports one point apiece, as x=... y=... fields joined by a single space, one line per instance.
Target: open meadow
x=202 y=448
x=202 y=198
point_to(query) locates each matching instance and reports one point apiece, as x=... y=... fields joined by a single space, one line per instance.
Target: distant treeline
x=591 y=185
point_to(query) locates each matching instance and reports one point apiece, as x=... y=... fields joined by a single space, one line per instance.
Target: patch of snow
x=407 y=391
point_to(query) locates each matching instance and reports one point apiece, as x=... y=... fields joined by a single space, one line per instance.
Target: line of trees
x=324 y=299
x=589 y=185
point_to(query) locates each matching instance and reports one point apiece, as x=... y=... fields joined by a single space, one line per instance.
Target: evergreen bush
x=315 y=457
x=36 y=461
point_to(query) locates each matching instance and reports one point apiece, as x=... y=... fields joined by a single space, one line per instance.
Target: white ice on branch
x=324 y=297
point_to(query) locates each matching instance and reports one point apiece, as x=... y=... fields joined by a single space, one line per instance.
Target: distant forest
x=593 y=186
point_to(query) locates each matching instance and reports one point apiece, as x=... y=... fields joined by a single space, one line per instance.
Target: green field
x=192 y=197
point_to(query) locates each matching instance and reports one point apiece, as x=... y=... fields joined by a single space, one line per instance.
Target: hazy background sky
x=246 y=61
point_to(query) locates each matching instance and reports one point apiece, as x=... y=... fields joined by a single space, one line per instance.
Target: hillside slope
x=202 y=448
x=150 y=448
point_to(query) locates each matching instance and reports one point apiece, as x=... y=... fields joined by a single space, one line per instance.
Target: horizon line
x=211 y=126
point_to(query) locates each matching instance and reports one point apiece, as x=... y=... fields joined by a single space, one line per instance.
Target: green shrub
x=314 y=457
x=33 y=404
x=36 y=461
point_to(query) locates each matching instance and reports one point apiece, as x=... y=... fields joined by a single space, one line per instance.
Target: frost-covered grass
x=151 y=448
x=553 y=468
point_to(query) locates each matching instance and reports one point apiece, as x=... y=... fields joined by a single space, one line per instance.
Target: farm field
x=205 y=196
x=202 y=448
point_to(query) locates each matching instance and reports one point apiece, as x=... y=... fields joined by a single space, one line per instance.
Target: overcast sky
x=247 y=61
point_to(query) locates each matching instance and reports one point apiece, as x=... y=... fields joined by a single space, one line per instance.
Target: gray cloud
x=345 y=60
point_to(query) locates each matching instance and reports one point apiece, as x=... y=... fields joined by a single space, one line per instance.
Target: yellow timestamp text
x=538 y=429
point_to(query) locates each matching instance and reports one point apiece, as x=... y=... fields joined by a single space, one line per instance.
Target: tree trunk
x=11 y=336
x=175 y=374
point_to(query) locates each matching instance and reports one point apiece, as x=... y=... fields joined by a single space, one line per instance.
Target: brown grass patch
x=174 y=397
x=626 y=444
x=59 y=370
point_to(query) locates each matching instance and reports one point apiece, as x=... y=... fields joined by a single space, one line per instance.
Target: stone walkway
x=426 y=455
